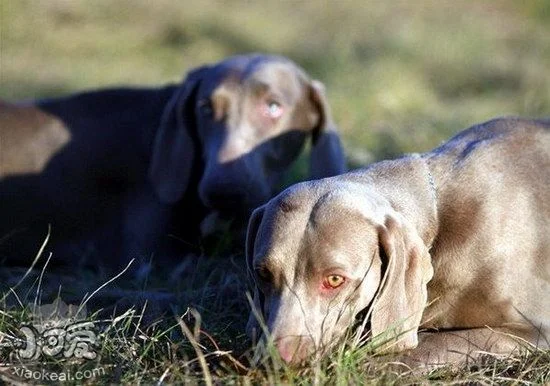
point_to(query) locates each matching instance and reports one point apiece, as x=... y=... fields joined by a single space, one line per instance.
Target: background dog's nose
x=227 y=198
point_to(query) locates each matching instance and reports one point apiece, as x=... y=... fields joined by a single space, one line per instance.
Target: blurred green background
x=401 y=75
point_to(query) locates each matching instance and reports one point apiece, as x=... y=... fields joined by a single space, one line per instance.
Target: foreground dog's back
x=492 y=251
x=456 y=240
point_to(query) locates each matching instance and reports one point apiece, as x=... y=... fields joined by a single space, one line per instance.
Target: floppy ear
x=327 y=154
x=402 y=296
x=253 y=327
x=174 y=147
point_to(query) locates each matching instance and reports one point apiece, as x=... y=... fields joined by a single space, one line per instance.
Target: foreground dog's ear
x=253 y=327
x=174 y=148
x=327 y=154
x=402 y=296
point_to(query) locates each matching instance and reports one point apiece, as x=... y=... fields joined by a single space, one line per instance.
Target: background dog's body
x=28 y=138
x=126 y=167
x=92 y=185
x=456 y=240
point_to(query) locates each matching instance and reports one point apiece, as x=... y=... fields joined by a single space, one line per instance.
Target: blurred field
x=401 y=76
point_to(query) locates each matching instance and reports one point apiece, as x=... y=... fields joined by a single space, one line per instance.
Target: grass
x=208 y=347
x=201 y=341
x=401 y=77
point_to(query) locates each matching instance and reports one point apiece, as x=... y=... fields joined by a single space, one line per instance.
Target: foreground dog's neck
x=411 y=189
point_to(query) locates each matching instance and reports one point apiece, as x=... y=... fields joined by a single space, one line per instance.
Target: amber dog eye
x=333 y=281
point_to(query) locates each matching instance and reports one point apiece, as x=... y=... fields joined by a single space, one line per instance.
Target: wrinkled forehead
x=333 y=229
x=258 y=74
x=339 y=235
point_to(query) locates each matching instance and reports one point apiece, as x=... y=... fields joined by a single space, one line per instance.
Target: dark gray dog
x=115 y=171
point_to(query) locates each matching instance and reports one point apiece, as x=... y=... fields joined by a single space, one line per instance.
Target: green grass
x=401 y=77
x=202 y=342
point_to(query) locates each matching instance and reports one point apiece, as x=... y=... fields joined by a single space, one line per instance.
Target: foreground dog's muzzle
x=293 y=350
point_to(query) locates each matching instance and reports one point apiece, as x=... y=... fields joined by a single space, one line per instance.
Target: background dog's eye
x=273 y=109
x=333 y=281
x=205 y=107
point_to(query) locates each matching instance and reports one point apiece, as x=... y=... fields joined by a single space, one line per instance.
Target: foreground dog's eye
x=273 y=109
x=263 y=274
x=333 y=281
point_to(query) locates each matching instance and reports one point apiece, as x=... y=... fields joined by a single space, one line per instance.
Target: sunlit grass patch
x=209 y=346
x=388 y=67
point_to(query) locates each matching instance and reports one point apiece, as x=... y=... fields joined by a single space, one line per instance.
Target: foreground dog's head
x=245 y=120
x=323 y=251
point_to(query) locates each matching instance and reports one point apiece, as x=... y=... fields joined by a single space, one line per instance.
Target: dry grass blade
x=193 y=340
x=33 y=264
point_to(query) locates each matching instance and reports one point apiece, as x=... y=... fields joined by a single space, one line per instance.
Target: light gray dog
x=447 y=253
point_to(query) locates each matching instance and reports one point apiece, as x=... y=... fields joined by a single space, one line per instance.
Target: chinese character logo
x=57 y=330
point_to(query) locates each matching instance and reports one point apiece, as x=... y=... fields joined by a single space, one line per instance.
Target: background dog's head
x=246 y=119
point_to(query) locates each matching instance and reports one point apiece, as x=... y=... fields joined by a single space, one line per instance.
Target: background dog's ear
x=253 y=327
x=327 y=154
x=398 y=307
x=174 y=148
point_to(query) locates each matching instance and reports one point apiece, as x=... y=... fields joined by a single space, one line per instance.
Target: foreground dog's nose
x=292 y=350
x=286 y=355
